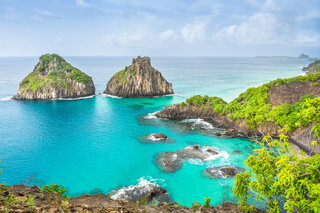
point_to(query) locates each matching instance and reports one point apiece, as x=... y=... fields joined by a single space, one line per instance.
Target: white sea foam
x=162 y=96
x=74 y=99
x=210 y=156
x=199 y=123
x=152 y=138
x=151 y=115
x=303 y=74
x=110 y=96
x=145 y=184
x=6 y=98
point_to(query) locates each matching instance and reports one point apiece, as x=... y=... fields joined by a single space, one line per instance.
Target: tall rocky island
x=138 y=80
x=54 y=78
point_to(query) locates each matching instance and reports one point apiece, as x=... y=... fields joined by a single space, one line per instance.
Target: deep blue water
x=92 y=144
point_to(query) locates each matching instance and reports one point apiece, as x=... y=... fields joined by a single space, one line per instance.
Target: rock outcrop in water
x=146 y=191
x=276 y=93
x=311 y=66
x=138 y=80
x=156 y=138
x=54 y=78
x=20 y=198
x=173 y=161
x=222 y=171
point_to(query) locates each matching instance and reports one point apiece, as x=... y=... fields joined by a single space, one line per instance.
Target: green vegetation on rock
x=54 y=71
x=253 y=105
x=280 y=177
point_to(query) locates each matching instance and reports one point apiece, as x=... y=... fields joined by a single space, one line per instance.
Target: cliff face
x=292 y=93
x=54 y=78
x=311 y=65
x=138 y=80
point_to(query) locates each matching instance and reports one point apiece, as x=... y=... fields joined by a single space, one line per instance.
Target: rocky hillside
x=258 y=111
x=20 y=198
x=54 y=78
x=138 y=80
x=312 y=65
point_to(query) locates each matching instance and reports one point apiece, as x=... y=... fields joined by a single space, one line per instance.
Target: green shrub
x=195 y=206
x=316 y=84
x=79 y=76
x=281 y=177
x=206 y=202
x=56 y=188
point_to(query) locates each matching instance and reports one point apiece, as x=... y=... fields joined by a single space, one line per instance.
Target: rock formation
x=311 y=65
x=54 y=78
x=172 y=161
x=144 y=192
x=20 y=198
x=222 y=171
x=138 y=80
x=289 y=92
x=156 y=138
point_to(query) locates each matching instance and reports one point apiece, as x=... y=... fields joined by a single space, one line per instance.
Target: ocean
x=93 y=145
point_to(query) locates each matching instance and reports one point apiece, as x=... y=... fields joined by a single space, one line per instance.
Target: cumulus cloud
x=274 y=23
x=194 y=32
x=261 y=28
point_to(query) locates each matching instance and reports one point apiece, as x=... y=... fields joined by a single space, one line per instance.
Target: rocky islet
x=139 y=79
x=54 y=78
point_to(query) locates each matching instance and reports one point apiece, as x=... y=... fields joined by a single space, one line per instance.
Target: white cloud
x=194 y=32
x=167 y=34
x=260 y=28
x=82 y=3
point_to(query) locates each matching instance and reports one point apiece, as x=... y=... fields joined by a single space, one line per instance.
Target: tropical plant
x=281 y=178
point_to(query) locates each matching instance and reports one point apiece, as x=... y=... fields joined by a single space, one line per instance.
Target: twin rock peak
x=54 y=78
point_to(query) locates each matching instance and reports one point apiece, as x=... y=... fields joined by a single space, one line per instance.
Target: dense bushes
x=280 y=177
x=253 y=105
x=216 y=103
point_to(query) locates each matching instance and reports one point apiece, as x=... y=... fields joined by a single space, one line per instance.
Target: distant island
x=140 y=79
x=55 y=78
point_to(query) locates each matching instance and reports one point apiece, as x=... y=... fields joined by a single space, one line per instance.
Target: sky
x=160 y=27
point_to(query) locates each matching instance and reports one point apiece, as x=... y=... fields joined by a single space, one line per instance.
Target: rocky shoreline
x=20 y=198
x=289 y=93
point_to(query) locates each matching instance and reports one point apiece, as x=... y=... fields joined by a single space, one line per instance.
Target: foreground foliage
x=281 y=178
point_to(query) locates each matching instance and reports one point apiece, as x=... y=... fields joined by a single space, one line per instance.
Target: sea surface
x=92 y=145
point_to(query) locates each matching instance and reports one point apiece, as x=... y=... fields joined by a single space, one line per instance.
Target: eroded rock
x=138 y=80
x=222 y=171
x=172 y=161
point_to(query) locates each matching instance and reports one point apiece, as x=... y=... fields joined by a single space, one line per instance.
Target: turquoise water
x=92 y=144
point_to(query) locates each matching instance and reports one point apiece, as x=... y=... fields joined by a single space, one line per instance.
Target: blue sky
x=159 y=28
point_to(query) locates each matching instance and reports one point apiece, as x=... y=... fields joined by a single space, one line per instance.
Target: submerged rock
x=145 y=191
x=236 y=152
x=173 y=161
x=222 y=171
x=54 y=78
x=138 y=80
